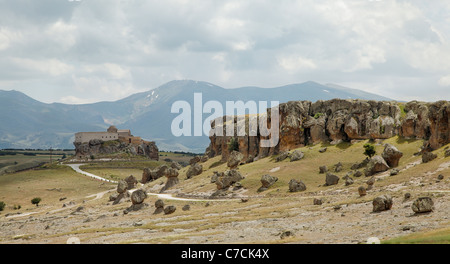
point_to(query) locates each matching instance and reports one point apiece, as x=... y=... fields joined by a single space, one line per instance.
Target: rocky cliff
x=98 y=147
x=338 y=120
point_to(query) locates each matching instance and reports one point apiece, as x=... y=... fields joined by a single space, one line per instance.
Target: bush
x=233 y=145
x=2 y=206
x=369 y=150
x=318 y=115
x=36 y=201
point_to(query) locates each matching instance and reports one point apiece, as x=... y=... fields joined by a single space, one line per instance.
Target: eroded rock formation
x=98 y=147
x=335 y=121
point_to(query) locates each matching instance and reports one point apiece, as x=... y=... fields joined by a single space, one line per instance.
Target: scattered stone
x=207 y=204
x=440 y=177
x=138 y=196
x=447 y=153
x=194 y=160
x=358 y=174
x=170 y=209
x=296 y=186
x=194 y=170
x=282 y=156
x=428 y=156
x=394 y=172
x=215 y=176
x=234 y=159
x=407 y=196
x=62 y=199
x=135 y=207
x=267 y=181
x=286 y=234
x=187 y=207
x=149 y=175
x=297 y=155
x=159 y=204
x=362 y=191
x=331 y=179
x=138 y=223
x=323 y=169
x=348 y=181
x=113 y=197
x=382 y=203
x=391 y=155
x=317 y=201
x=423 y=205
x=360 y=165
x=322 y=150
x=371 y=181
x=244 y=200
x=337 y=207
x=338 y=167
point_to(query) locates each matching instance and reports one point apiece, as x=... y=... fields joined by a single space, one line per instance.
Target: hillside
x=275 y=215
x=27 y=123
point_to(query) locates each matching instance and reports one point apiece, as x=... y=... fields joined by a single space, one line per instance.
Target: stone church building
x=112 y=133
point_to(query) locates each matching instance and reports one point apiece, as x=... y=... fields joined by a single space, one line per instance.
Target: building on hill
x=112 y=133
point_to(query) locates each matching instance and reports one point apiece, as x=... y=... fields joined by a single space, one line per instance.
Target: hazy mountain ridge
x=28 y=123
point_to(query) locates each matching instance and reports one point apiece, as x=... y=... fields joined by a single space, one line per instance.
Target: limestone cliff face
x=99 y=147
x=337 y=120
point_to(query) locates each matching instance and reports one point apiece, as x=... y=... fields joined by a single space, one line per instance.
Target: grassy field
x=19 y=160
x=48 y=184
x=440 y=236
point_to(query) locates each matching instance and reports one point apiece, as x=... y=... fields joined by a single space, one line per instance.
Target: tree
x=369 y=150
x=36 y=201
x=233 y=145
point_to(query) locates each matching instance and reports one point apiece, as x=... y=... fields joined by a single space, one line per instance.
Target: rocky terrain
x=270 y=200
x=98 y=147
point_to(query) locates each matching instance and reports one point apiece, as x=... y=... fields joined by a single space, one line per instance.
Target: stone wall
x=338 y=120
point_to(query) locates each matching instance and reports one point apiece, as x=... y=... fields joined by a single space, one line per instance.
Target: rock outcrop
x=391 y=155
x=97 y=147
x=337 y=120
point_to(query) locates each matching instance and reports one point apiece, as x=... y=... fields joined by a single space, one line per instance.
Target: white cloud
x=52 y=67
x=294 y=64
x=444 y=81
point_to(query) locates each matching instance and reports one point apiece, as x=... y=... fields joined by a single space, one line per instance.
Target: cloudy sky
x=96 y=50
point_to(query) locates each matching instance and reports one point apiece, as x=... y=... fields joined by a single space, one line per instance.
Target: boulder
x=186 y=207
x=322 y=150
x=296 y=155
x=376 y=164
x=394 y=172
x=234 y=159
x=122 y=186
x=428 y=156
x=282 y=156
x=331 y=179
x=194 y=160
x=323 y=169
x=422 y=205
x=175 y=165
x=267 y=181
x=362 y=191
x=194 y=170
x=226 y=179
x=159 y=204
x=447 y=153
x=440 y=177
x=382 y=203
x=170 y=209
x=357 y=174
x=317 y=201
x=338 y=167
x=131 y=181
x=391 y=155
x=138 y=196
x=149 y=175
x=348 y=181
x=296 y=185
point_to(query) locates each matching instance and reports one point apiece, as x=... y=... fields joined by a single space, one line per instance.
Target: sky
x=103 y=50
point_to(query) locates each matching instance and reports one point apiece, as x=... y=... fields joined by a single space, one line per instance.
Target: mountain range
x=28 y=123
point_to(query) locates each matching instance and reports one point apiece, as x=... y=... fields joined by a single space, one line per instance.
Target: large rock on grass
x=391 y=155
x=423 y=205
x=234 y=159
x=331 y=179
x=194 y=170
x=382 y=203
x=376 y=164
x=296 y=186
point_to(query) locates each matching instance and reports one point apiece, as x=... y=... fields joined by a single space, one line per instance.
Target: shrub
x=318 y=115
x=36 y=201
x=369 y=150
x=2 y=206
